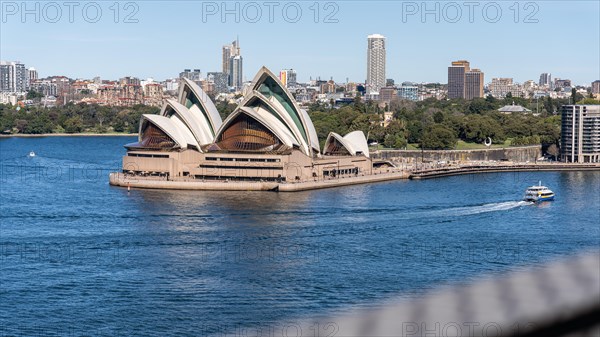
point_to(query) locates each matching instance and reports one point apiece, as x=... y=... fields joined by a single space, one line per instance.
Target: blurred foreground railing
x=561 y=298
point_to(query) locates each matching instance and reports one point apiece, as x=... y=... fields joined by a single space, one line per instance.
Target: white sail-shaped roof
x=175 y=130
x=354 y=142
x=202 y=101
x=314 y=138
x=269 y=86
x=192 y=118
x=274 y=107
x=265 y=118
x=358 y=141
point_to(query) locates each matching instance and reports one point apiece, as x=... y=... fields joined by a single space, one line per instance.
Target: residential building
x=560 y=83
x=375 y=62
x=220 y=81
x=32 y=75
x=408 y=92
x=192 y=75
x=500 y=87
x=236 y=75
x=596 y=87
x=288 y=77
x=580 y=133
x=546 y=80
x=387 y=94
x=13 y=77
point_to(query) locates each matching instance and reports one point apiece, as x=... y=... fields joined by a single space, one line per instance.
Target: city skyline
x=114 y=50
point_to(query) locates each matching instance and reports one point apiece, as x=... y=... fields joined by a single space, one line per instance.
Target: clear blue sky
x=171 y=36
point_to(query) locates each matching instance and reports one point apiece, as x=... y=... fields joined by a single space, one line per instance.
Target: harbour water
x=79 y=257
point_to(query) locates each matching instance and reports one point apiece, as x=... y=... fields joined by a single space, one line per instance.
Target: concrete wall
x=516 y=154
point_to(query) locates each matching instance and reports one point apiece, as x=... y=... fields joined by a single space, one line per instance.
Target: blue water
x=79 y=257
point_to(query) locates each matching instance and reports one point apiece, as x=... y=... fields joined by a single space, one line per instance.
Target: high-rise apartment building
x=236 y=76
x=545 y=80
x=32 y=76
x=13 y=77
x=233 y=68
x=580 y=133
x=288 y=77
x=375 y=62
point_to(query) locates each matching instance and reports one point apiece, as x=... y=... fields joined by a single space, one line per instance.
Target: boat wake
x=477 y=209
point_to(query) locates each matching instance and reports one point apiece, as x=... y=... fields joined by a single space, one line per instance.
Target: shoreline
x=30 y=135
x=122 y=180
x=475 y=169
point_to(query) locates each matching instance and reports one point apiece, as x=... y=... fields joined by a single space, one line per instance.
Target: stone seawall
x=513 y=154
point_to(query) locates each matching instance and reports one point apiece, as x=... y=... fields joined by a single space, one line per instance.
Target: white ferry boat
x=538 y=193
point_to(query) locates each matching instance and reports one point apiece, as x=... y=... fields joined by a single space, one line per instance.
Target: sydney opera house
x=267 y=142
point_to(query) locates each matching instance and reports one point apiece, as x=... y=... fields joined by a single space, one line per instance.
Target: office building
x=580 y=133
x=375 y=62
x=456 y=79
x=464 y=82
x=473 y=84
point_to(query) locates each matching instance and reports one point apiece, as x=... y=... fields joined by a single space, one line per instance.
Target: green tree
x=438 y=137
x=73 y=125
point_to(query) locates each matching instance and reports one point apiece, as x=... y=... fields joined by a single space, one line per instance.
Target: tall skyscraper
x=545 y=80
x=288 y=77
x=232 y=64
x=464 y=82
x=375 y=62
x=456 y=79
x=13 y=77
x=473 y=84
x=236 y=69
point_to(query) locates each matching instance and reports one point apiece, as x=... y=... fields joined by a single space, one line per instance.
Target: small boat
x=538 y=193
x=32 y=154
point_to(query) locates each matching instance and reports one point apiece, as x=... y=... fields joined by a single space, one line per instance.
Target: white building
x=375 y=63
x=13 y=77
x=236 y=72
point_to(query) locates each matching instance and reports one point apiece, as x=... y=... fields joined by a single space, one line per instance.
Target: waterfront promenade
x=415 y=171
x=433 y=171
